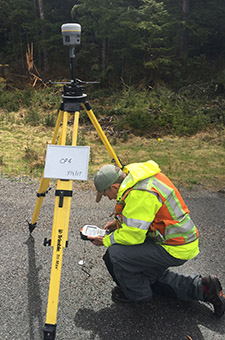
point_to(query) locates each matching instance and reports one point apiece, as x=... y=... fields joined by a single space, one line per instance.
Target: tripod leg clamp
x=62 y=194
x=43 y=194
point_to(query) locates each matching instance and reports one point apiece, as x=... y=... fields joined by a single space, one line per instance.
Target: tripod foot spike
x=49 y=331
x=32 y=226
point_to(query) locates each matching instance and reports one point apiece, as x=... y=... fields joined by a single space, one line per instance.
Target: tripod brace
x=73 y=97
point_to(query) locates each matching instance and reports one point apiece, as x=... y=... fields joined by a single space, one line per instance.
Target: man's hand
x=110 y=226
x=97 y=241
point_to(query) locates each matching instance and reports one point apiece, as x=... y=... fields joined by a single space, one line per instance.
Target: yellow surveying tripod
x=73 y=97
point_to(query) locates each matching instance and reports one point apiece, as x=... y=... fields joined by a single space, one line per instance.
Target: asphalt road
x=85 y=309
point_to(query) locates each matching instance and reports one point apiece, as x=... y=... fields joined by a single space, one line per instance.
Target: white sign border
x=67 y=162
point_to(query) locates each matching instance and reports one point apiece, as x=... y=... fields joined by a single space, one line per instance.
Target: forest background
x=161 y=72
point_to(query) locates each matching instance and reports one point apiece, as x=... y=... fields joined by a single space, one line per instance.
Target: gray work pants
x=142 y=270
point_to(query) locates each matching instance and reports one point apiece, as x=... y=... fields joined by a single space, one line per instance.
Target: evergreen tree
x=126 y=38
x=17 y=26
x=110 y=37
x=138 y=41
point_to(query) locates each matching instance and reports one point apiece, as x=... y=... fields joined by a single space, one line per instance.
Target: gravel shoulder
x=85 y=308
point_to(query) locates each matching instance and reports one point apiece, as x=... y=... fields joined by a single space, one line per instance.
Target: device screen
x=91 y=231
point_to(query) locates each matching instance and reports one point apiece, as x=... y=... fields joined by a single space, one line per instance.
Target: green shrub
x=163 y=110
x=30 y=154
x=144 y=111
x=50 y=120
x=47 y=98
x=9 y=100
x=32 y=117
x=13 y=100
x=27 y=97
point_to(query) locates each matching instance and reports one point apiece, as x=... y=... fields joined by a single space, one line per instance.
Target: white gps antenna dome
x=71 y=34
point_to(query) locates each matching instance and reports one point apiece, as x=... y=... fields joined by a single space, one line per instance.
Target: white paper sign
x=67 y=162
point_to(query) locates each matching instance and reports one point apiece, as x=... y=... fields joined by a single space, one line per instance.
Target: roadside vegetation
x=183 y=131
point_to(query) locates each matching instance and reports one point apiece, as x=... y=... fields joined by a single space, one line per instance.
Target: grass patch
x=23 y=148
x=151 y=111
x=190 y=161
x=140 y=121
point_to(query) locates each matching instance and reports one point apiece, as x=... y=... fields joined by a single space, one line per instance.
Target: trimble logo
x=59 y=241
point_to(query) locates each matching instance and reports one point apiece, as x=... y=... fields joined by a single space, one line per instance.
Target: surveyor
x=152 y=231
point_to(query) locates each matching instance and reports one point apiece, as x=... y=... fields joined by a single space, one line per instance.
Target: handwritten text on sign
x=67 y=162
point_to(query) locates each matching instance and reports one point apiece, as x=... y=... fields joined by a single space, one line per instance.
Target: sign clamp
x=62 y=194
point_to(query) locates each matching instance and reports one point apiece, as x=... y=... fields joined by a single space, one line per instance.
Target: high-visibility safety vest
x=150 y=205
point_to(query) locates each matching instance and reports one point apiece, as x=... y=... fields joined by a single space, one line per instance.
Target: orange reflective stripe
x=172 y=219
x=120 y=205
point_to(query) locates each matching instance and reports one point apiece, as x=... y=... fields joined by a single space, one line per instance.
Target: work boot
x=118 y=295
x=213 y=294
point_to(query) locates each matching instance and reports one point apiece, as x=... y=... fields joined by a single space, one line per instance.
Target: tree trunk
x=43 y=33
x=41 y=9
x=104 y=53
x=21 y=50
x=186 y=8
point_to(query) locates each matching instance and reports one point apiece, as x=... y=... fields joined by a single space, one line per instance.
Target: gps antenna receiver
x=71 y=34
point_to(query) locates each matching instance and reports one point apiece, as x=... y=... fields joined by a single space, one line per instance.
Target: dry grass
x=191 y=161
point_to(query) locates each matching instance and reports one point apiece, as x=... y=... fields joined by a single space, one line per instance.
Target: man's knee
x=113 y=254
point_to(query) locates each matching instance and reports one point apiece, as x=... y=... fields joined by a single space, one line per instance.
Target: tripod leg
x=75 y=127
x=58 y=242
x=101 y=134
x=62 y=141
x=57 y=125
x=44 y=183
x=59 y=236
